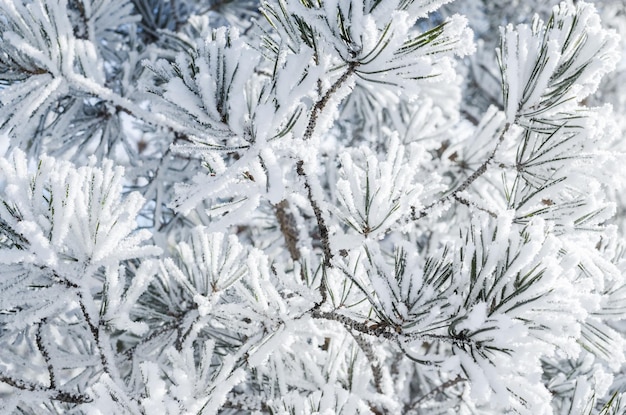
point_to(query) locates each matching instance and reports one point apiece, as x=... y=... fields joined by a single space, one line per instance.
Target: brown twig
x=448 y=384
x=321 y=223
x=287 y=224
x=377 y=371
x=322 y=102
x=95 y=332
x=308 y=133
x=466 y=202
x=46 y=355
x=466 y=183
x=389 y=332
x=53 y=393
x=381 y=331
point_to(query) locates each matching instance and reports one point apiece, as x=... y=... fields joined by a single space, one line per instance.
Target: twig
x=308 y=133
x=286 y=221
x=321 y=224
x=377 y=370
x=46 y=355
x=95 y=332
x=372 y=330
x=321 y=104
x=53 y=393
x=389 y=332
x=448 y=384
x=466 y=183
x=287 y=224
x=171 y=326
x=118 y=390
x=466 y=202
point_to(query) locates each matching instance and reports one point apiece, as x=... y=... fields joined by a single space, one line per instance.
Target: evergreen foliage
x=306 y=206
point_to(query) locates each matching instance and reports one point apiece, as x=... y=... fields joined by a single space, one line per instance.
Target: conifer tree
x=307 y=206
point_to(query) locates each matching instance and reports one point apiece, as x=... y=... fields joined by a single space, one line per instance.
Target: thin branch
x=321 y=223
x=46 y=355
x=53 y=393
x=466 y=202
x=466 y=183
x=287 y=224
x=389 y=332
x=372 y=330
x=446 y=385
x=377 y=370
x=321 y=104
x=95 y=332
x=171 y=326
x=310 y=129
x=123 y=104
x=118 y=390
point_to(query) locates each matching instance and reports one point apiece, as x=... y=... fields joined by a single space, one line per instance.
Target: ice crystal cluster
x=312 y=207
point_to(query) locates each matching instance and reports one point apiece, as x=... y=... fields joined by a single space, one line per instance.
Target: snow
x=443 y=249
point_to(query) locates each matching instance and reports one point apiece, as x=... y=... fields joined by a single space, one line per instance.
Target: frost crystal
x=312 y=207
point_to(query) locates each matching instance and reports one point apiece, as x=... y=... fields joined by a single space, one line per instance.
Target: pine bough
x=304 y=221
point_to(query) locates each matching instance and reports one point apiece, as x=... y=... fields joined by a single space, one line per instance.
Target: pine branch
x=123 y=104
x=466 y=183
x=218 y=314
x=321 y=104
x=108 y=365
x=51 y=393
x=287 y=224
x=46 y=355
x=375 y=364
x=439 y=389
x=171 y=326
x=376 y=330
x=95 y=332
x=321 y=223
x=466 y=202
x=395 y=334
